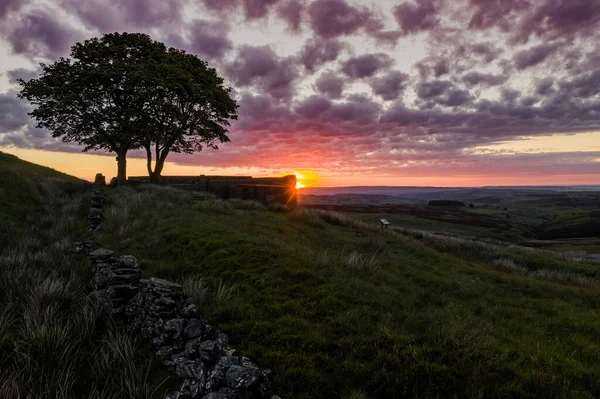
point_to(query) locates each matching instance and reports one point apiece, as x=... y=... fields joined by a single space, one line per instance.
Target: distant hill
x=403 y=190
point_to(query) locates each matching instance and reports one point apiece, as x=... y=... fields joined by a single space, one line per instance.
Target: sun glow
x=306 y=178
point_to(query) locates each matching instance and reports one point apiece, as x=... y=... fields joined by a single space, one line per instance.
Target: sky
x=349 y=92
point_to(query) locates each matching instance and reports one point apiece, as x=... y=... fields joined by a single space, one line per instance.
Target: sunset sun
x=306 y=178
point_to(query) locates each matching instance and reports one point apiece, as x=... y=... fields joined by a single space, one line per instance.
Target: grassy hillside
x=53 y=343
x=338 y=309
x=18 y=197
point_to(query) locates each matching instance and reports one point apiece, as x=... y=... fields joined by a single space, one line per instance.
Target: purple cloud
x=496 y=13
x=13 y=112
x=334 y=18
x=290 y=11
x=210 y=38
x=434 y=88
x=256 y=9
x=21 y=73
x=317 y=52
x=40 y=34
x=365 y=66
x=108 y=16
x=416 y=17
x=330 y=84
x=390 y=86
x=220 y=5
x=475 y=78
x=545 y=86
x=7 y=6
x=455 y=98
x=262 y=67
x=585 y=85
x=534 y=55
x=553 y=19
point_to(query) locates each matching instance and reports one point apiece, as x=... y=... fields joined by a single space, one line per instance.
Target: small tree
x=190 y=109
x=100 y=99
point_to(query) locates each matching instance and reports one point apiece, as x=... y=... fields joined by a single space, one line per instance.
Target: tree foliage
x=126 y=91
x=191 y=109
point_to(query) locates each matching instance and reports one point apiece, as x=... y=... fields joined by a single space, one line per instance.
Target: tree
x=190 y=109
x=101 y=98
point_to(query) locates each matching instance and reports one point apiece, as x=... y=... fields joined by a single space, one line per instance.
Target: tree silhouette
x=98 y=98
x=190 y=109
x=126 y=91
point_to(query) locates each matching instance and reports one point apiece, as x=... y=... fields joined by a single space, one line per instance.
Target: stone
x=122 y=291
x=239 y=377
x=95 y=211
x=189 y=310
x=164 y=352
x=125 y=278
x=225 y=393
x=129 y=261
x=179 y=395
x=194 y=329
x=160 y=283
x=101 y=253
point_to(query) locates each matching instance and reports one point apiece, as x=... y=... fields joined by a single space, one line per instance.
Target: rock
x=95 y=212
x=239 y=377
x=189 y=310
x=160 y=283
x=164 y=352
x=179 y=395
x=101 y=253
x=125 y=278
x=225 y=393
x=194 y=329
x=122 y=291
x=231 y=352
x=129 y=261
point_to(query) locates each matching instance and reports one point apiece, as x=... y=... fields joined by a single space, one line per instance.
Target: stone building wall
x=159 y=311
x=263 y=189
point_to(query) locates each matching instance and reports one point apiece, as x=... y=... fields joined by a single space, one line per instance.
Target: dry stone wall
x=159 y=311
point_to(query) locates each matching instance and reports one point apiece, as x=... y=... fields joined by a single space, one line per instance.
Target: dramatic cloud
x=7 y=6
x=317 y=52
x=108 y=16
x=365 y=66
x=260 y=66
x=390 y=86
x=330 y=84
x=545 y=86
x=496 y=13
x=433 y=88
x=484 y=79
x=334 y=18
x=220 y=5
x=535 y=55
x=13 y=112
x=209 y=38
x=21 y=73
x=552 y=19
x=350 y=86
x=416 y=17
x=291 y=12
x=39 y=33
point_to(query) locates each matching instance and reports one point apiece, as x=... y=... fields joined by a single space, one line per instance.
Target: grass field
x=53 y=343
x=338 y=309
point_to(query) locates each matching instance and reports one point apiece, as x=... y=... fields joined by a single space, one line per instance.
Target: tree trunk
x=155 y=177
x=121 y=167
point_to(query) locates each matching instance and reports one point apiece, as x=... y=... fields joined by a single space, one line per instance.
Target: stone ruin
x=182 y=339
x=263 y=189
